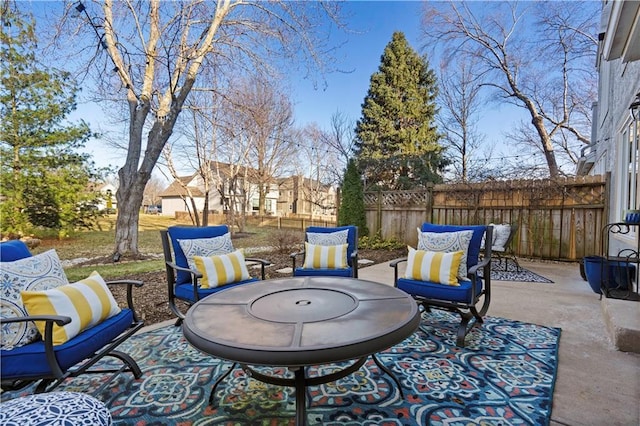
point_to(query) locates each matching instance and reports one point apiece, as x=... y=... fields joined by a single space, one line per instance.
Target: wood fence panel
x=557 y=219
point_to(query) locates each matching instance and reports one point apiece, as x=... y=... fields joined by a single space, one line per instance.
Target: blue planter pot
x=620 y=274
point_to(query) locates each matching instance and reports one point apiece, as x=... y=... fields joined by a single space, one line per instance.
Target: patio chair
x=193 y=258
x=443 y=273
x=328 y=252
x=502 y=248
x=49 y=333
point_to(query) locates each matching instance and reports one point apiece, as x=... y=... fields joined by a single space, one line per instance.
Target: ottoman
x=59 y=408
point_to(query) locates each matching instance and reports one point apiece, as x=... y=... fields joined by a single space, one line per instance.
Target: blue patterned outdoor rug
x=498 y=273
x=505 y=375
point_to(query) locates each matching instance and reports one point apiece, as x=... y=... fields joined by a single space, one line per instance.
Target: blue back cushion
x=189 y=233
x=13 y=250
x=474 y=244
x=351 y=236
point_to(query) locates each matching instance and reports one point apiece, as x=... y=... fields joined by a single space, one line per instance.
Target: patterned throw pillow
x=221 y=269
x=40 y=272
x=205 y=247
x=328 y=238
x=437 y=267
x=447 y=242
x=88 y=302
x=326 y=257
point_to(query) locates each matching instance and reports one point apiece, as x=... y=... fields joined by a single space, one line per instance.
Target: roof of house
x=176 y=189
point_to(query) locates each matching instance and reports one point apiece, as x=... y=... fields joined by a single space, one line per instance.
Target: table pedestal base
x=300 y=382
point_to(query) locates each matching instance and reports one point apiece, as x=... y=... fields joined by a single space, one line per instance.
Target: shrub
x=378 y=243
x=287 y=240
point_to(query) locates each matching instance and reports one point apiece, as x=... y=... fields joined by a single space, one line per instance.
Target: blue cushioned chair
x=352 y=254
x=50 y=365
x=471 y=299
x=183 y=282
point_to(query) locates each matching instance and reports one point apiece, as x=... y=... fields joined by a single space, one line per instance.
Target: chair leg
x=129 y=361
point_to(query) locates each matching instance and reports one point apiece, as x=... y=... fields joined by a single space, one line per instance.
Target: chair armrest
x=60 y=320
x=354 y=263
x=481 y=264
x=293 y=257
x=394 y=264
x=180 y=268
x=136 y=283
x=256 y=260
x=130 y=284
x=263 y=263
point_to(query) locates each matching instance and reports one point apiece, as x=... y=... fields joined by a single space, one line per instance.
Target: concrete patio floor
x=597 y=384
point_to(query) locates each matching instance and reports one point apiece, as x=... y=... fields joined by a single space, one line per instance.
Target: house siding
x=619 y=82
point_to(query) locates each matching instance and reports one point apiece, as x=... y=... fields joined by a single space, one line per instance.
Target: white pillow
x=447 y=242
x=500 y=236
x=40 y=272
x=88 y=302
x=326 y=257
x=437 y=267
x=205 y=247
x=328 y=238
x=221 y=269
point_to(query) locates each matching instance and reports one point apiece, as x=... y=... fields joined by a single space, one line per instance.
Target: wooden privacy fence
x=557 y=218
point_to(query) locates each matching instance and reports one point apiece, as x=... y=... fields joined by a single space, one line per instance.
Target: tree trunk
x=547 y=146
x=129 y=196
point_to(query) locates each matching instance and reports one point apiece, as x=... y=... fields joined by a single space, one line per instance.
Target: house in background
x=108 y=201
x=294 y=195
x=306 y=197
x=224 y=188
x=616 y=115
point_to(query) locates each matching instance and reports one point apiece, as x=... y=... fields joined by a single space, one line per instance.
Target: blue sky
x=373 y=23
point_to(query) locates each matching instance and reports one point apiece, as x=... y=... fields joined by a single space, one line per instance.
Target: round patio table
x=299 y=322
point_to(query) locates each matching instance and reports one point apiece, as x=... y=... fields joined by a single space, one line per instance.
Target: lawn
x=95 y=247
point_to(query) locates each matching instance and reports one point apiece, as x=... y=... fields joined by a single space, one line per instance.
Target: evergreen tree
x=352 y=203
x=396 y=139
x=43 y=180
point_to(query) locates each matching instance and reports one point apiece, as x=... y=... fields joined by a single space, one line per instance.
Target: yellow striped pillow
x=88 y=302
x=327 y=257
x=221 y=269
x=437 y=267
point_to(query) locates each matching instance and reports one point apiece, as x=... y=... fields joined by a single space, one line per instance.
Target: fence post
x=379 y=213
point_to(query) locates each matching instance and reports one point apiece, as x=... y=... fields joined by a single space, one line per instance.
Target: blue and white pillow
x=205 y=247
x=447 y=242
x=328 y=238
x=36 y=273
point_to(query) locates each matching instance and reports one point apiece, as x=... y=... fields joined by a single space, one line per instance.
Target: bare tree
x=152 y=191
x=149 y=55
x=459 y=101
x=317 y=166
x=264 y=117
x=197 y=147
x=341 y=139
x=534 y=56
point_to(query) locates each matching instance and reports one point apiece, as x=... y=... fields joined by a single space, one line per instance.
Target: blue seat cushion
x=184 y=291
x=307 y=272
x=431 y=290
x=188 y=233
x=29 y=361
x=474 y=244
x=13 y=250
